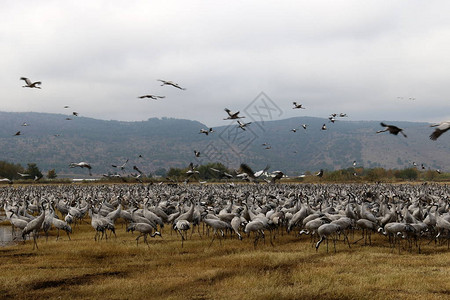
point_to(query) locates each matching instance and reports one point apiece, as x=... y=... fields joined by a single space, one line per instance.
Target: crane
x=166 y=82
x=392 y=129
x=30 y=84
x=440 y=129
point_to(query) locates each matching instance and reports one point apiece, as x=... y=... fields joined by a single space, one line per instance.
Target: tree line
x=13 y=171
x=342 y=175
x=205 y=172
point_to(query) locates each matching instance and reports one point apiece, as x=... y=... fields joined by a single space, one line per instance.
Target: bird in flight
x=297 y=106
x=222 y=173
x=121 y=166
x=81 y=165
x=440 y=129
x=410 y=98
x=304 y=126
x=165 y=82
x=30 y=84
x=6 y=180
x=18 y=133
x=294 y=129
x=206 y=132
x=196 y=153
x=277 y=176
x=154 y=97
x=137 y=169
x=232 y=115
x=137 y=177
x=249 y=172
x=191 y=170
x=242 y=125
x=320 y=174
x=392 y=129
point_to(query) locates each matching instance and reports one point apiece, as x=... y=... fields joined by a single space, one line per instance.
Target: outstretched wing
x=246 y=169
x=137 y=169
x=177 y=86
x=27 y=80
x=441 y=128
x=437 y=133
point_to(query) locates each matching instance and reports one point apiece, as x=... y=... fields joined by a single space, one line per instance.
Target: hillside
x=51 y=141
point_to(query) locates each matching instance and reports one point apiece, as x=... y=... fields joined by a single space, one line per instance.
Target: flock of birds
x=86 y=165
x=392 y=129
x=440 y=128
x=410 y=216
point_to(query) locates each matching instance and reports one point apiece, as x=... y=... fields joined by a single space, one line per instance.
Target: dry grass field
x=228 y=269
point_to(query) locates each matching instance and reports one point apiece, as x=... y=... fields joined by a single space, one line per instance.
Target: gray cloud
x=334 y=56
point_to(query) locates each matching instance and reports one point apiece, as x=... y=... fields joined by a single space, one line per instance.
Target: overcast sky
x=355 y=57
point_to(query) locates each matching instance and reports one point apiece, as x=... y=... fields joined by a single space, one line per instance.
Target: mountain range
x=53 y=142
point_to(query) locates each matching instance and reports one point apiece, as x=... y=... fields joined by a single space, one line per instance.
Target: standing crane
x=34 y=226
x=325 y=231
x=144 y=229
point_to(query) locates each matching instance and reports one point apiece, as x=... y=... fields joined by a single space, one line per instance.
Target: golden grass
x=118 y=269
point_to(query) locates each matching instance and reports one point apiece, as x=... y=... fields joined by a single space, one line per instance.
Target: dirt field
x=228 y=269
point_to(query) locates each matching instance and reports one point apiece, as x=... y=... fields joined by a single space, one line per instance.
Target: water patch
x=6 y=236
